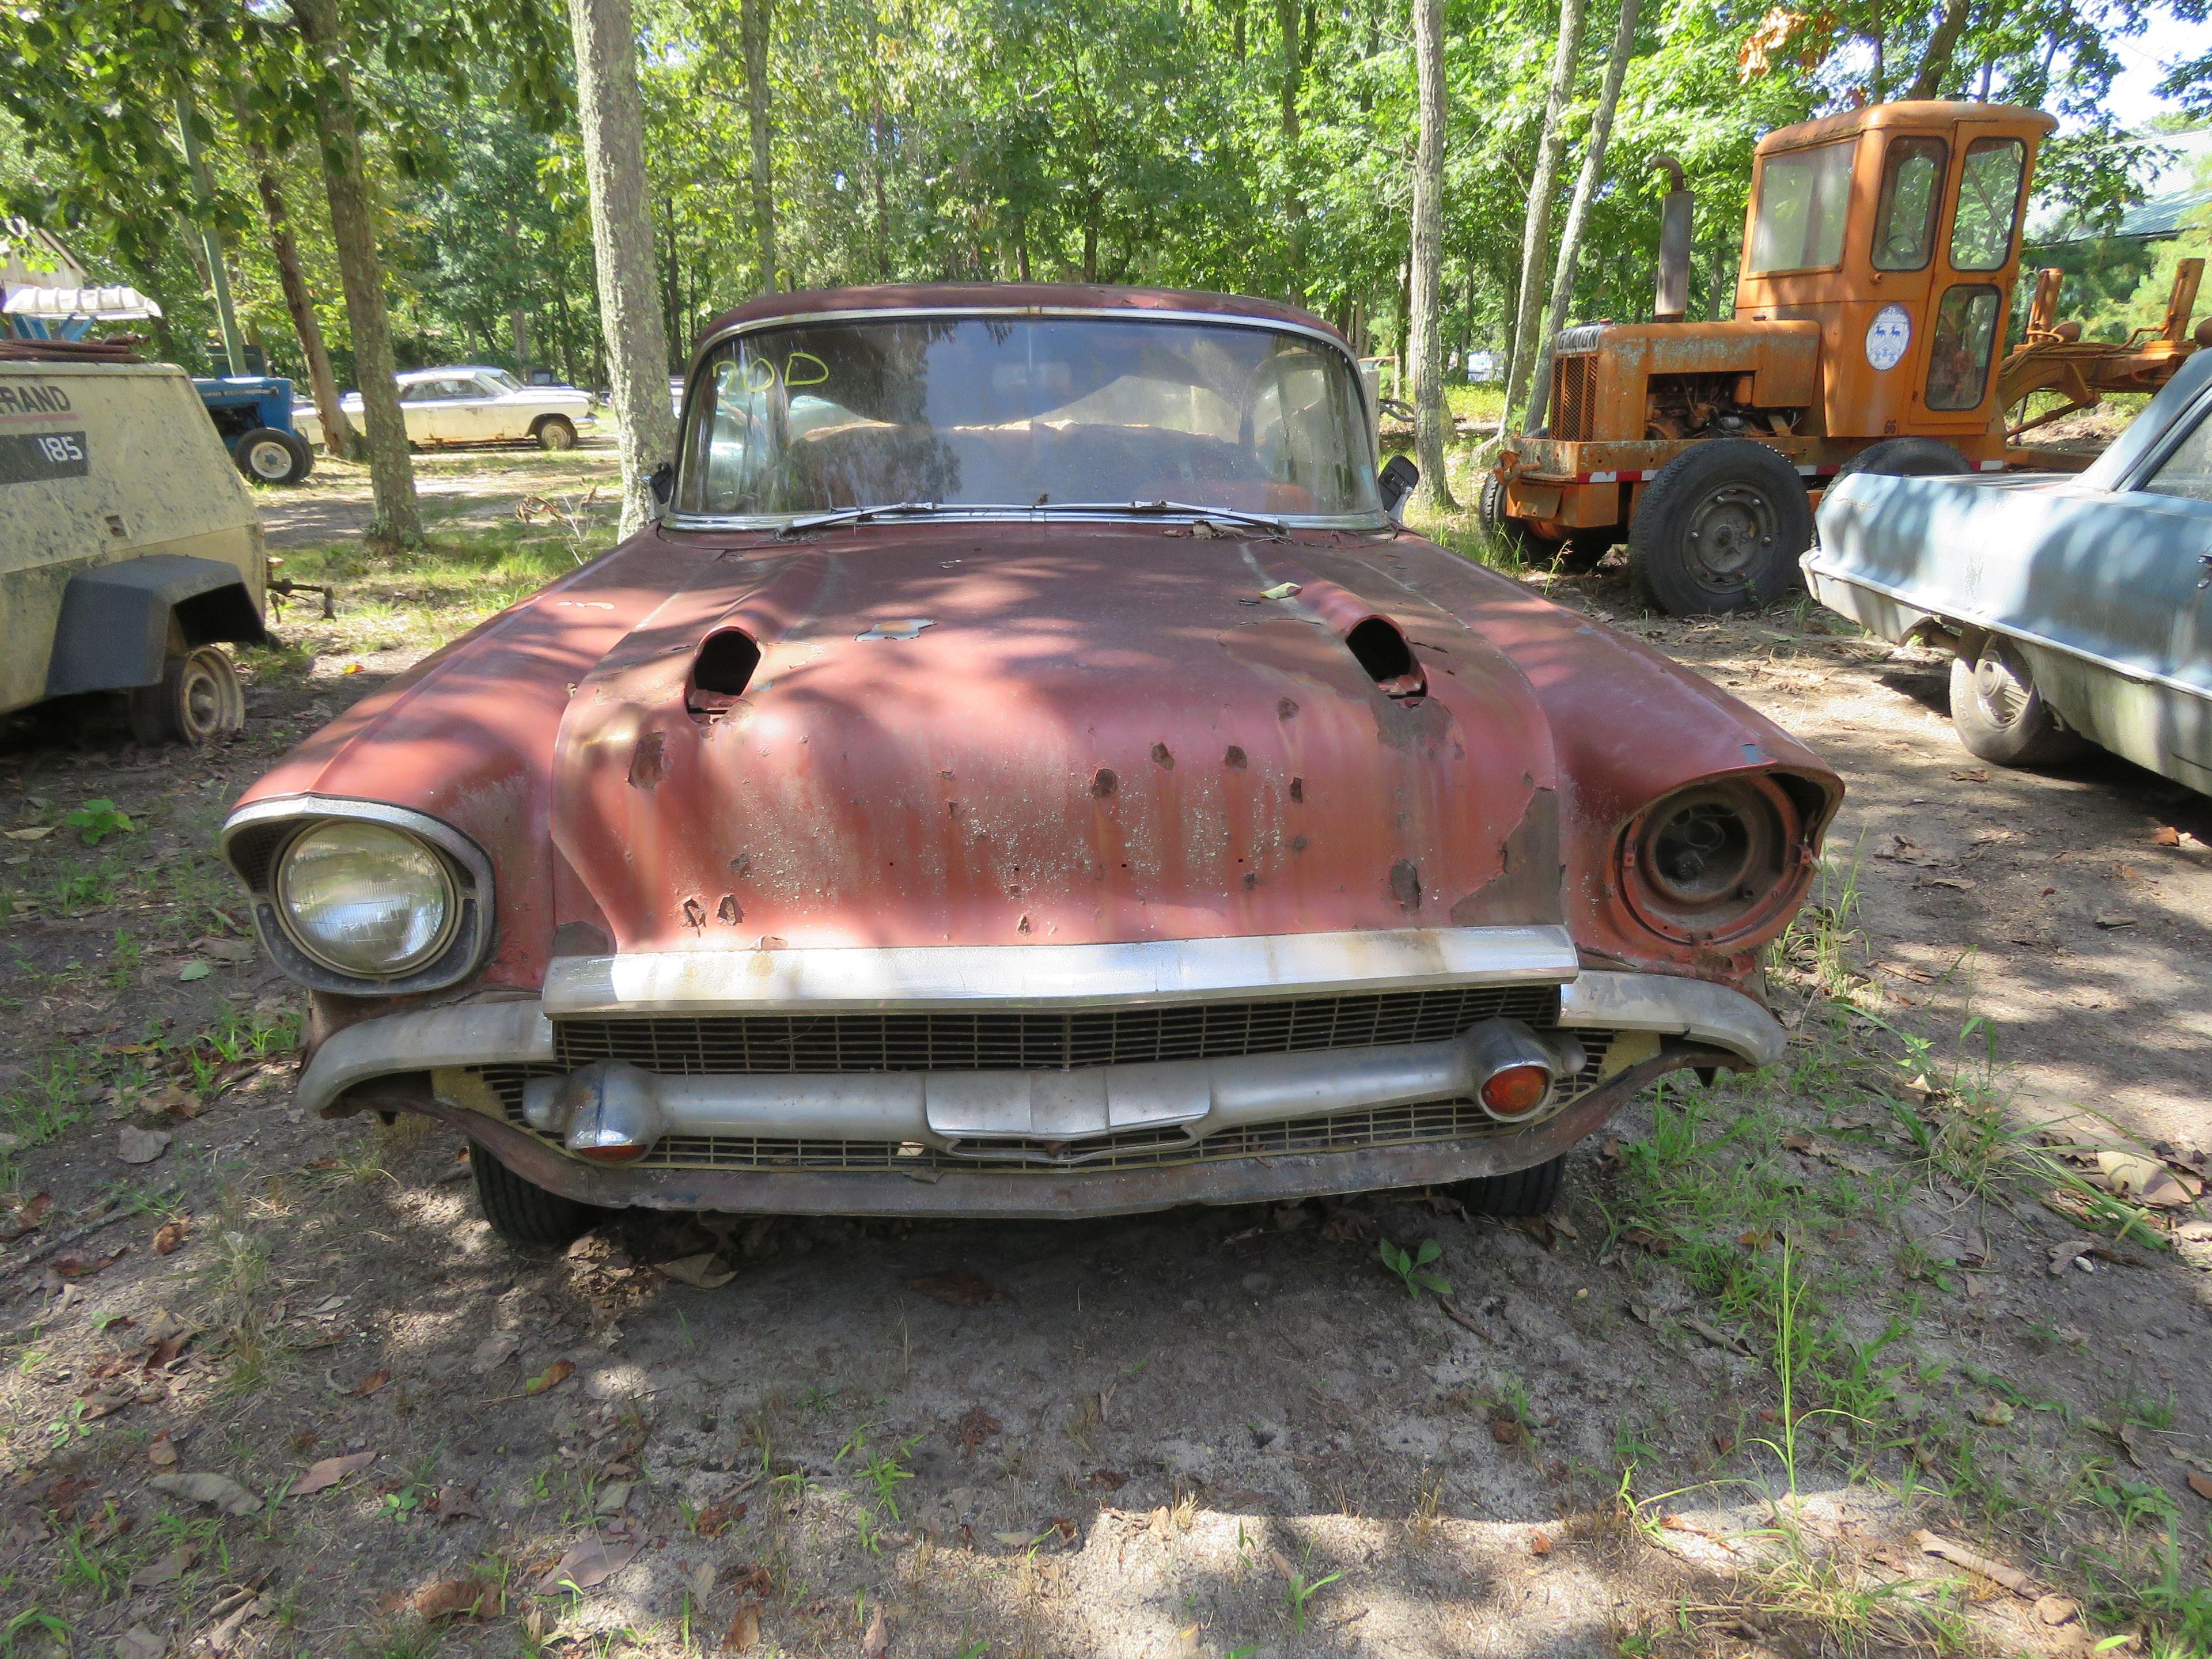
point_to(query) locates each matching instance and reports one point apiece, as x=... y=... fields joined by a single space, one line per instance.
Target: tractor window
x=1911 y=184
x=1959 y=356
x=1989 y=203
x=1804 y=195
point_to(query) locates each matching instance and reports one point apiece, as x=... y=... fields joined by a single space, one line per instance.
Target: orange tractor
x=1879 y=258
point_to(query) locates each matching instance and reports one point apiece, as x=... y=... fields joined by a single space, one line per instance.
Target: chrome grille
x=1031 y=1040
x=1389 y=1125
x=1574 y=391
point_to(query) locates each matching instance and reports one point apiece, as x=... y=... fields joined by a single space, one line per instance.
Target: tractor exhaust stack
x=1672 y=303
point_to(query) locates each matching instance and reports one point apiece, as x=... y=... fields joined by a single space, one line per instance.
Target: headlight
x=365 y=900
x=1714 y=862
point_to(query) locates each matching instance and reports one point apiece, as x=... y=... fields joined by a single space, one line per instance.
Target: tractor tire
x=523 y=1213
x=1511 y=534
x=1720 y=529
x=270 y=455
x=2000 y=715
x=1532 y=1191
x=1907 y=457
x=196 y=700
x=554 y=433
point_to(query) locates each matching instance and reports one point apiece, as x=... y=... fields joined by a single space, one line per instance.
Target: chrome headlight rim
x=449 y=896
x=255 y=837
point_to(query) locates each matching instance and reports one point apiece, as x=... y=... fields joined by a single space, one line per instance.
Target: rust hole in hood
x=1384 y=651
x=723 y=669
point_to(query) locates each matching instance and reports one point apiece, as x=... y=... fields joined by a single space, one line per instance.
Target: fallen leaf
x=959 y=1290
x=976 y=1426
x=702 y=1271
x=26 y=1218
x=551 y=1377
x=161 y=1451
x=2055 y=1610
x=2166 y=836
x=1539 y=1543
x=744 y=1628
x=1506 y=1430
x=84 y=1266
x=139 y=1642
x=876 y=1638
x=225 y=950
x=36 y=832
x=219 y=1491
x=168 y=1238
x=141 y=1145
x=1021 y=1540
x=590 y=1564
x=167 y=1568
x=1972 y=774
x=177 y=1101
x=321 y=1476
x=465 y=1598
x=493 y=1351
x=2066 y=1253
x=2140 y=1177
x=368 y=1385
x=455 y=1503
x=2114 y=919
x=716 y=1519
x=613 y=1496
x=1646 y=1240
x=1993 y=1414
x=1112 y=1480
x=192 y=970
x=2201 y=1485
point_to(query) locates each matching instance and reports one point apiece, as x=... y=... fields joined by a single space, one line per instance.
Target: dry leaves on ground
x=463 y=1598
x=590 y=1564
x=551 y=1377
x=958 y=1289
x=141 y=1145
x=321 y=1476
x=219 y=1491
x=169 y=1238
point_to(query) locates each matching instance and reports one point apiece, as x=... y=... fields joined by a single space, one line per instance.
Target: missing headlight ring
x=1716 y=863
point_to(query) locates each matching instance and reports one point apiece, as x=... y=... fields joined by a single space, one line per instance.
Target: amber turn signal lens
x=1517 y=1091
x=616 y=1154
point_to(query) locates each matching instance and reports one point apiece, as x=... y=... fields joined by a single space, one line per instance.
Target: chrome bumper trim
x=1674 y=1007
x=520 y=1033
x=834 y=979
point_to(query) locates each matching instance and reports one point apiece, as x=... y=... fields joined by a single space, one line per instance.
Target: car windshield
x=1026 y=412
x=501 y=379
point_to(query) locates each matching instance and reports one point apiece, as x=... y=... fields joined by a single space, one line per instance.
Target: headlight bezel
x=1763 y=852
x=289 y=910
x=257 y=840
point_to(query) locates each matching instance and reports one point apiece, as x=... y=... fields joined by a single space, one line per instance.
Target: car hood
x=1074 y=734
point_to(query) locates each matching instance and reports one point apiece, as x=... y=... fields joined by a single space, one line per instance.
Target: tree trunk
x=1537 y=229
x=1571 y=239
x=1431 y=416
x=611 y=113
x=338 y=435
x=1294 y=202
x=753 y=21
x=395 y=519
x=1941 y=45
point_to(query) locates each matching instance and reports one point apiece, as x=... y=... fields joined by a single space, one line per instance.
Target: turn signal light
x=616 y=1153
x=1516 y=1091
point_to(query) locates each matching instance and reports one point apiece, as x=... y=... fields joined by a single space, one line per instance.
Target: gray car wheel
x=196 y=699
x=556 y=432
x=2000 y=715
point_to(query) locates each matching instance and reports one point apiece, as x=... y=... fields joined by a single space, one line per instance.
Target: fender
x=115 y=625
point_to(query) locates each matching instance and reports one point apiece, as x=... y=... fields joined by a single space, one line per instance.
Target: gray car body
x=2102 y=579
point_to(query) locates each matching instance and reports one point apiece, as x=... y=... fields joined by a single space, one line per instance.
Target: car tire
x=1721 y=528
x=1511 y=534
x=2000 y=715
x=555 y=432
x=196 y=700
x=1533 y=1191
x=271 y=455
x=1907 y=457
x=523 y=1213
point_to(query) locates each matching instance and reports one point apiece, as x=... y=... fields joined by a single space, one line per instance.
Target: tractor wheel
x=1906 y=458
x=1513 y=534
x=1721 y=528
x=272 y=456
x=197 y=698
x=555 y=432
x=2000 y=715
x=522 y=1212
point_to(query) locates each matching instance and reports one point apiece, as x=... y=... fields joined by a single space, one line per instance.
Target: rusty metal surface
x=1008 y=1194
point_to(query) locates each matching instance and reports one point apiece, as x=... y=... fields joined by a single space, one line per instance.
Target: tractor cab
x=1896 y=229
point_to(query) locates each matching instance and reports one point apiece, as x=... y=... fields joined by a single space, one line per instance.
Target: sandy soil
x=1225 y=1432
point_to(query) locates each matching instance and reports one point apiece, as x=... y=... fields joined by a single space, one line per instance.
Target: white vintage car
x=474 y=406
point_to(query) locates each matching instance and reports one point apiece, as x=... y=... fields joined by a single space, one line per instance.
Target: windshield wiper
x=857 y=515
x=1166 y=510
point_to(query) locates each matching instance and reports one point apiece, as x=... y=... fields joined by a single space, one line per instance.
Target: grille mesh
x=1037 y=1041
x=1389 y=1126
x=1574 y=388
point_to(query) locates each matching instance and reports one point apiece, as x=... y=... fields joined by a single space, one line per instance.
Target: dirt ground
x=269 y=1386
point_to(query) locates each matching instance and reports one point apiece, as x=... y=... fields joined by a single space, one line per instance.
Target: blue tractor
x=254 y=413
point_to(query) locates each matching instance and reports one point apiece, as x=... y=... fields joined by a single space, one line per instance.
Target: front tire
x=270 y=456
x=522 y=1212
x=196 y=699
x=1720 y=529
x=1512 y=534
x=1533 y=1191
x=554 y=433
x=2000 y=715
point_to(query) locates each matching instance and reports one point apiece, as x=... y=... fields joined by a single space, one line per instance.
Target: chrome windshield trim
x=677 y=520
x=817 y=980
x=1674 y=1007
x=1040 y=515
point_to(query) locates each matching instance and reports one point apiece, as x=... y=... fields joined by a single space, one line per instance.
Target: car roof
x=410 y=376
x=1013 y=297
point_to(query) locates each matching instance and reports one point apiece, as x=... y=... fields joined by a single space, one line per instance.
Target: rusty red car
x=1026 y=771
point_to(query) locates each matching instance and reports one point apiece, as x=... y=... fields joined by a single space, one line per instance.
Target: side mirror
x=661 y=481
x=1396 y=482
